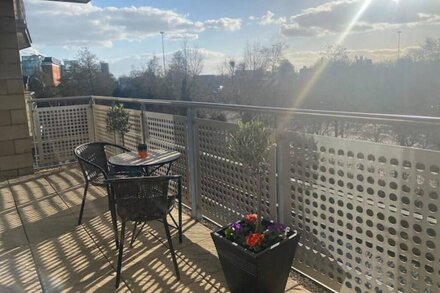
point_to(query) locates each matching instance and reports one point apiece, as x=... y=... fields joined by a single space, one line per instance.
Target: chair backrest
x=141 y=198
x=92 y=159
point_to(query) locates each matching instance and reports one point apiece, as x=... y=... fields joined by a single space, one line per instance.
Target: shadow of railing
x=147 y=266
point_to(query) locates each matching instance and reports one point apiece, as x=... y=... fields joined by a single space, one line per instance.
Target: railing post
x=144 y=126
x=92 y=125
x=35 y=135
x=282 y=167
x=192 y=164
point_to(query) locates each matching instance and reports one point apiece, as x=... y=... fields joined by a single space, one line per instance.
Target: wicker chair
x=144 y=199
x=92 y=159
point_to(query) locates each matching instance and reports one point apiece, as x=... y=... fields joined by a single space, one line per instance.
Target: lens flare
x=322 y=66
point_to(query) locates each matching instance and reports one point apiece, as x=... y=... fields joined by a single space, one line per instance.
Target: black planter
x=246 y=271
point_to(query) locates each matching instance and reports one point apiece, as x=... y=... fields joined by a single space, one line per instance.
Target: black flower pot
x=246 y=271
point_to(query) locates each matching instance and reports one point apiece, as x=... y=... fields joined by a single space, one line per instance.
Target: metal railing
x=362 y=188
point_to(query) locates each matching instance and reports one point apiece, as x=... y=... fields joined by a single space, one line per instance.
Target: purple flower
x=277 y=228
x=236 y=227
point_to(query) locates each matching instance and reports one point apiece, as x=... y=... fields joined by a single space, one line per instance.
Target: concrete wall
x=15 y=142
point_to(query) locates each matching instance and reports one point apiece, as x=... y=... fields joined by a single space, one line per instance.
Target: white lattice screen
x=58 y=130
x=368 y=214
x=227 y=191
x=166 y=131
x=101 y=133
x=134 y=137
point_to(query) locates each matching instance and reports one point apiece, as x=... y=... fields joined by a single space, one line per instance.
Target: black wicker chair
x=92 y=158
x=144 y=199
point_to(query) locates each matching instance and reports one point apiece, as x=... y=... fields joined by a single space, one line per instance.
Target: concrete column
x=15 y=142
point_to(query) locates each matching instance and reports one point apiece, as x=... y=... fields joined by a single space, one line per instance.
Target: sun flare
x=315 y=77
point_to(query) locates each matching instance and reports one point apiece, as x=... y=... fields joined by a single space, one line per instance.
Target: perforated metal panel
x=58 y=130
x=368 y=214
x=226 y=190
x=165 y=131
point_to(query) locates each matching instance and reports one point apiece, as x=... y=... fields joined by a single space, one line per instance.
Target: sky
x=126 y=33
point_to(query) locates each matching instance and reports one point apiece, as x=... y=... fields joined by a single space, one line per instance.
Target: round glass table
x=156 y=159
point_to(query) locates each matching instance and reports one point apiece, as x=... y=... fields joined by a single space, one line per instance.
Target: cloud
x=224 y=23
x=30 y=51
x=293 y=29
x=67 y=24
x=268 y=18
x=181 y=36
x=334 y=17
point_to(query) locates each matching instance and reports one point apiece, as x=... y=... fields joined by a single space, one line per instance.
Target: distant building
x=105 y=68
x=52 y=67
x=67 y=66
x=31 y=64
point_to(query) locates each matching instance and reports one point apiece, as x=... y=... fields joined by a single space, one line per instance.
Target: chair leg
x=83 y=203
x=121 y=251
x=178 y=224
x=170 y=244
x=137 y=234
x=180 y=220
x=179 y=194
x=133 y=234
x=113 y=215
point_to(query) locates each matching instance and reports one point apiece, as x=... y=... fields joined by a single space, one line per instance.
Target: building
x=52 y=68
x=31 y=64
x=67 y=66
x=37 y=63
x=105 y=68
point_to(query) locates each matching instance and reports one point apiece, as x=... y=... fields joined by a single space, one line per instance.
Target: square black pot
x=246 y=271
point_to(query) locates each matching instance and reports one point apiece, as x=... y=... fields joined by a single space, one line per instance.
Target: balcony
x=361 y=188
x=43 y=249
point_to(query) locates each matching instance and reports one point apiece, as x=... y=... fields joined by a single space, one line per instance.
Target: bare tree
x=429 y=51
x=86 y=78
x=186 y=64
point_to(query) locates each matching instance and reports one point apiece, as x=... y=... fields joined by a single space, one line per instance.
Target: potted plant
x=118 y=121
x=255 y=253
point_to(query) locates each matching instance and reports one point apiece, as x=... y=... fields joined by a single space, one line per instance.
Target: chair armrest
x=131 y=173
x=123 y=175
x=174 y=177
x=82 y=161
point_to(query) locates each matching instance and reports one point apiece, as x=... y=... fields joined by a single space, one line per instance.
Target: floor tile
x=17 y=271
x=30 y=189
x=11 y=230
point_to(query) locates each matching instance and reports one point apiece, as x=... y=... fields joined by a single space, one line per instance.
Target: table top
x=155 y=157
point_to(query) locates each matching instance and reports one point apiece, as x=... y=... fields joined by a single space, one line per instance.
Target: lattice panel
x=165 y=131
x=134 y=137
x=368 y=214
x=58 y=130
x=101 y=133
x=226 y=190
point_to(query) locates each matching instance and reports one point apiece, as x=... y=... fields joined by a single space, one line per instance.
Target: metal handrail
x=337 y=115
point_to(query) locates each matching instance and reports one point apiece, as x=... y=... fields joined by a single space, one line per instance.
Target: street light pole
x=163 y=51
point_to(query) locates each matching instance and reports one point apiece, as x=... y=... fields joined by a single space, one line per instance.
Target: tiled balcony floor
x=42 y=248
